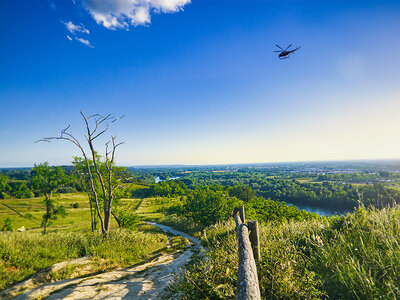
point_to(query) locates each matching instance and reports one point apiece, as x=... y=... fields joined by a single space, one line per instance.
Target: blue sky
x=198 y=82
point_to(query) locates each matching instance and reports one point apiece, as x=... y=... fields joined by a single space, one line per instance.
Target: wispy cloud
x=85 y=42
x=75 y=28
x=115 y=14
x=52 y=4
x=120 y=14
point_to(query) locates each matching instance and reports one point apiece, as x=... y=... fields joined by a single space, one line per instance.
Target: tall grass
x=356 y=256
x=24 y=253
x=362 y=258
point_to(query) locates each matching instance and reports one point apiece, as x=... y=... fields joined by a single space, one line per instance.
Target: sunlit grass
x=352 y=257
x=24 y=253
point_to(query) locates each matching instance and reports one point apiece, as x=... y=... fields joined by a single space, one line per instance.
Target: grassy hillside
x=24 y=253
x=32 y=210
x=352 y=257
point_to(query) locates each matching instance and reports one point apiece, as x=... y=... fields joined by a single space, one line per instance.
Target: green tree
x=21 y=190
x=46 y=180
x=4 y=186
x=208 y=206
x=7 y=225
x=242 y=192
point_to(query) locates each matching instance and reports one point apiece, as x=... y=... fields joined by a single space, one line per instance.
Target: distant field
x=302 y=180
x=153 y=209
x=80 y=216
x=32 y=210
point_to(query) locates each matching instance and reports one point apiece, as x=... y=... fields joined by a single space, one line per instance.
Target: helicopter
x=284 y=53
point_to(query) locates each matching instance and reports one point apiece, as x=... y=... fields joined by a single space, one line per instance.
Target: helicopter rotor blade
x=279 y=47
x=278 y=51
x=288 y=47
x=295 y=49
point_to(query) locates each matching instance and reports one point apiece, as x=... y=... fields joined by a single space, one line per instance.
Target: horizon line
x=229 y=164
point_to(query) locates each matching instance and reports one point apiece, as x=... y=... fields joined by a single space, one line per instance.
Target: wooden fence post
x=241 y=214
x=247 y=286
x=254 y=239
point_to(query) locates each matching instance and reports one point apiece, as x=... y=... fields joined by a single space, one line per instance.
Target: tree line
x=336 y=194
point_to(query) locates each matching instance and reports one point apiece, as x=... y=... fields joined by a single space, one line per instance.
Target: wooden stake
x=255 y=239
x=241 y=214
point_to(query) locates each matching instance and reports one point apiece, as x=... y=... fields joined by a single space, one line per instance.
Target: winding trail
x=145 y=281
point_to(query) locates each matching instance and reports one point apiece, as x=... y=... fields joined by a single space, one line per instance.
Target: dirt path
x=146 y=281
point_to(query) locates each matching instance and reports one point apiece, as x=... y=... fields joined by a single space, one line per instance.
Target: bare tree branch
x=107 y=193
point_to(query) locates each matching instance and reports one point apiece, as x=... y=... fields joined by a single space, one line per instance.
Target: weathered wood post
x=255 y=239
x=247 y=286
x=241 y=214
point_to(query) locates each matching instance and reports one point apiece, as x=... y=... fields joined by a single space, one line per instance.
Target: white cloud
x=68 y=37
x=85 y=42
x=75 y=28
x=114 y=14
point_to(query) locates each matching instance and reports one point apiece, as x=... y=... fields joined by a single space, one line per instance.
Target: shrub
x=7 y=225
x=29 y=215
x=207 y=206
x=66 y=189
x=128 y=220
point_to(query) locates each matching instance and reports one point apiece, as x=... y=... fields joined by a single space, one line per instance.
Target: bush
x=7 y=225
x=66 y=189
x=207 y=206
x=128 y=220
x=29 y=215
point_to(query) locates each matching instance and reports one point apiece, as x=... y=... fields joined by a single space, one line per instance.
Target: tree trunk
x=48 y=211
x=116 y=219
x=91 y=213
x=45 y=226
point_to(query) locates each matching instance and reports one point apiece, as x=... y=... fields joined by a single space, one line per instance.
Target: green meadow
x=22 y=254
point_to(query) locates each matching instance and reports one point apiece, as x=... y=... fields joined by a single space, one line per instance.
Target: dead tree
x=96 y=125
x=80 y=166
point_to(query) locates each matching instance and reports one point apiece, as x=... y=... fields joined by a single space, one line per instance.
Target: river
x=157 y=179
x=317 y=210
